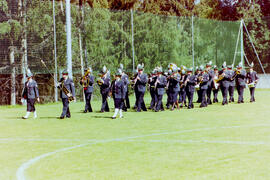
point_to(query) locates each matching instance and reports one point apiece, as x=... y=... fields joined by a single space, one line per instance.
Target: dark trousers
x=208 y=93
x=199 y=93
x=240 y=90
x=118 y=103
x=182 y=96
x=88 y=106
x=231 y=93
x=224 y=91
x=215 y=93
x=31 y=105
x=65 y=112
x=140 y=101
x=252 y=92
x=127 y=103
x=159 y=105
x=105 y=106
x=168 y=99
x=190 y=95
x=204 y=102
x=153 y=98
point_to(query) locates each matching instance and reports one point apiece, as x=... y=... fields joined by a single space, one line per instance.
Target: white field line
x=20 y=171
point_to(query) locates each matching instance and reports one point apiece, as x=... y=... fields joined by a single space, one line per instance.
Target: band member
x=104 y=82
x=152 y=81
x=252 y=80
x=210 y=82
x=124 y=78
x=87 y=81
x=168 y=103
x=198 y=75
x=224 y=77
x=30 y=94
x=216 y=85
x=67 y=92
x=182 y=92
x=203 y=80
x=118 y=93
x=241 y=82
x=190 y=82
x=160 y=85
x=174 y=87
x=231 y=83
x=140 y=87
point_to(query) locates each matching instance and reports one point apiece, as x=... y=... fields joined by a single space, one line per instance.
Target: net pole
x=55 y=55
x=192 y=26
x=242 y=44
x=236 y=48
x=132 y=41
x=69 y=46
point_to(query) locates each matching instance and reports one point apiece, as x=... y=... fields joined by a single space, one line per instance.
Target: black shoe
x=68 y=116
x=62 y=117
x=102 y=111
x=156 y=110
x=85 y=111
x=189 y=107
x=90 y=110
x=113 y=117
x=181 y=106
x=192 y=105
x=223 y=103
x=230 y=101
x=242 y=101
x=238 y=102
x=162 y=110
x=144 y=109
x=138 y=110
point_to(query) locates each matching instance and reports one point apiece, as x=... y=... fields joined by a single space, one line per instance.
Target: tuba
x=67 y=92
x=85 y=80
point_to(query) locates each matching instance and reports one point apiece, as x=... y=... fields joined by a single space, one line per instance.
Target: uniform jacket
x=231 y=81
x=105 y=87
x=241 y=78
x=190 y=87
x=151 y=82
x=140 y=84
x=225 y=82
x=252 y=77
x=125 y=80
x=174 y=85
x=211 y=74
x=30 y=90
x=161 y=85
x=89 y=88
x=118 y=89
x=68 y=83
x=205 y=80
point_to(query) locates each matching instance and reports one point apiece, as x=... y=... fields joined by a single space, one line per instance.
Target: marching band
x=176 y=81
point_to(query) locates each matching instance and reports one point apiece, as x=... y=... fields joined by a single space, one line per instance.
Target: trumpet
x=220 y=77
x=100 y=81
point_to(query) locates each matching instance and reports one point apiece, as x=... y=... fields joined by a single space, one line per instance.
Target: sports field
x=217 y=142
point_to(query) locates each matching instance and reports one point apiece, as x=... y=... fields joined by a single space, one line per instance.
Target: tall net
x=104 y=37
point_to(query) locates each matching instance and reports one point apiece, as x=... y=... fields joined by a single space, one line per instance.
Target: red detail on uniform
x=85 y=88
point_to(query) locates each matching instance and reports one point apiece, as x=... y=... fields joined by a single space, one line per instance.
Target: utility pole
x=69 y=45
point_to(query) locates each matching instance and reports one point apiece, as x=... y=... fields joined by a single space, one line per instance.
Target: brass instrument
x=67 y=92
x=85 y=80
x=220 y=78
x=216 y=84
x=100 y=81
x=236 y=74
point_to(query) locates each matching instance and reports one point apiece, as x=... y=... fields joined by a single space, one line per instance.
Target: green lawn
x=217 y=142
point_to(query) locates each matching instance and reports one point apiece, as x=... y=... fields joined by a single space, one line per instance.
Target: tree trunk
x=13 y=76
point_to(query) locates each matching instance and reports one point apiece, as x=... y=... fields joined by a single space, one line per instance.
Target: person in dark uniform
x=252 y=80
x=159 y=86
x=67 y=90
x=241 y=83
x=216 y=85
x=118 y=92
x=151 y=81
x=199 y=92
x=210 y=82
x=203 y=80
x=190 y=82
x=125 y=79
x=87 y=81
x=140 y=87
x=182 y=92
x=174 y=87
x=231 y=83
x=30 y=94
x=168 y=103
x=104 y=82
x=224 y=83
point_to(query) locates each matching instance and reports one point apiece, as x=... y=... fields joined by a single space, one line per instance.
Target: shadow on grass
x=101 y=117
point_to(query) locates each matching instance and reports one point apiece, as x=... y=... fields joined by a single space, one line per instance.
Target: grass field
x=231 y=142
